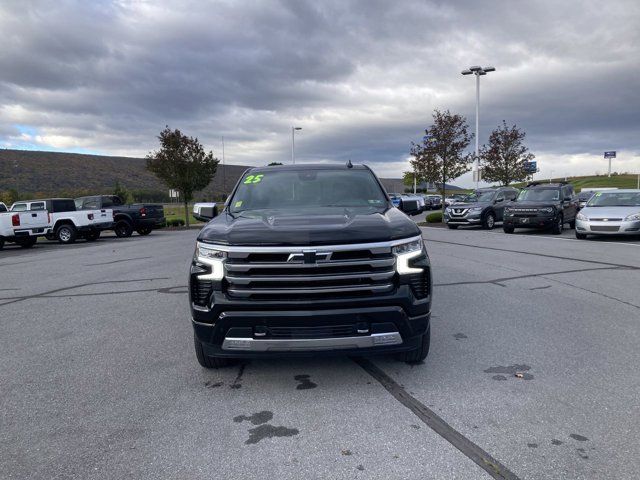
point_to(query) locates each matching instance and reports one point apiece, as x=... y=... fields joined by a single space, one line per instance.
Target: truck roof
x=312 y=166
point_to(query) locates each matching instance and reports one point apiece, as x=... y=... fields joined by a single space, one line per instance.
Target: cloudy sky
x=360 y=77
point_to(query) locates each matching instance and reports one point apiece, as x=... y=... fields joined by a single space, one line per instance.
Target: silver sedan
x=610 y=213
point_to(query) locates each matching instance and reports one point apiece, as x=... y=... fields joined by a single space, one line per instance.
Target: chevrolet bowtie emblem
x=309 y=256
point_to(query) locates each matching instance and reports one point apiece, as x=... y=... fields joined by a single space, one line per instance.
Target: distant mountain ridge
x=52 y=173
x=60 y=173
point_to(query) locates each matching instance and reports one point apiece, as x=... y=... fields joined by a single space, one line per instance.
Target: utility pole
x=477 y=71
x=224 y=173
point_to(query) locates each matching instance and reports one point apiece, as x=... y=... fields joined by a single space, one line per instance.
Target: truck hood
x=322 y=226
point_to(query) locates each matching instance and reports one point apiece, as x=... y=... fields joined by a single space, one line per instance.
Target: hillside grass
x=595 y=181
x=175 y=211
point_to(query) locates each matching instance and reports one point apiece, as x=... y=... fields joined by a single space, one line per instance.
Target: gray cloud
x=360 y=77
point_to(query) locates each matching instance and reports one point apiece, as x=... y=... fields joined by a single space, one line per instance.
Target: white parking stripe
x=539 y=236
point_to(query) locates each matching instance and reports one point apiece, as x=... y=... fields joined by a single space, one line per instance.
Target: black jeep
x=542 y=206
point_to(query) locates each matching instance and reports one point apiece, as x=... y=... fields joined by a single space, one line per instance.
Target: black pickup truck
x=309 y=259
x=142 y=218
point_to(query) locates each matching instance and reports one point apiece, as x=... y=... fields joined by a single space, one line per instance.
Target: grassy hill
x=595 y=181
x=40 y=174
x=36 y=174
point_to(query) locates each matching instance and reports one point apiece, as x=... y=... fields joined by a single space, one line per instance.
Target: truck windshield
x=618 y=199
x=539 y=195
x=309 y=188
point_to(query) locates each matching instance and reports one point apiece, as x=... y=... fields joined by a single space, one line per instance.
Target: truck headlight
x=546 y=210
x=476 y=209
x=212 y=257
x=580 y=216
x=632 y=217
x=404 y=253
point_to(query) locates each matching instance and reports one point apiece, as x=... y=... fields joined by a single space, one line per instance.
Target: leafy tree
x=407 y=179
x=121 y=192
x=503 y=159
x=274 y=163
x=182 y=164
x=10 y=196
x=440 y=157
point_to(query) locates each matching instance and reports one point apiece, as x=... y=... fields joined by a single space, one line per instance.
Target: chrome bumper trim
x=301 y=344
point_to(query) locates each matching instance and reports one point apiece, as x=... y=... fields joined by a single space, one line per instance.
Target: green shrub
x=175 y=222
x=435 y=217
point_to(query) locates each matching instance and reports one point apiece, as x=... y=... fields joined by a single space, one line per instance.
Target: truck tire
x=206 y=361
x=452 y=227
x=420 y=353
x=489 y=221
x=144 y=231
x=66 y=233
x=123 y=229
x=507 y=229
x=92 y=236
x=1 y=243
x=27 y=242
x=558 y=226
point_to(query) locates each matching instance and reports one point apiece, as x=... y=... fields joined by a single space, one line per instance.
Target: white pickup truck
x=66 y=224
x=22 y=228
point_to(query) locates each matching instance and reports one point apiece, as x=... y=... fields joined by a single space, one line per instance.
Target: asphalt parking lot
x=99 y=378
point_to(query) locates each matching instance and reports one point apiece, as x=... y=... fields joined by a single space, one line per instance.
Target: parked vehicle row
x=550 y=206
x=66 y=219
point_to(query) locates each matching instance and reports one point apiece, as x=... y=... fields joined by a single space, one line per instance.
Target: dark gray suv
x=483 y=207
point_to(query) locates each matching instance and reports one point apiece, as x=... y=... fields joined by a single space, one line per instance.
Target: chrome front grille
x=605 y=228
x=459 y=212
x=310 y=274
x=524 y=212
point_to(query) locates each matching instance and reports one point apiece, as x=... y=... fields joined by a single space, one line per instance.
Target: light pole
x=224 y=173
x=477 y=71
x=293 y=143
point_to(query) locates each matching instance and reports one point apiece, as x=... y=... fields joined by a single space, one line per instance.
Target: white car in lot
x=614 y=212
x=22 y=228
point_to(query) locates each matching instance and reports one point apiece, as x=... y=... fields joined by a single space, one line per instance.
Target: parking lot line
x=545 y=237
x=480 y=457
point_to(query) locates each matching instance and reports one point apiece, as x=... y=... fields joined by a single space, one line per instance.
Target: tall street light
x=478 y=72
x=293 y=143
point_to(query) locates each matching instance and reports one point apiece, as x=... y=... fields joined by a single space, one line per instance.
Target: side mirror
x=498 y=200
x=205 y=211
x=567 y=199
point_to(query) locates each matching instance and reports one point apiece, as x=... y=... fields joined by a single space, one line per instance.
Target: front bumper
x=468 y=219
x=591 y=227
x=253 y=334
x=530 y=222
